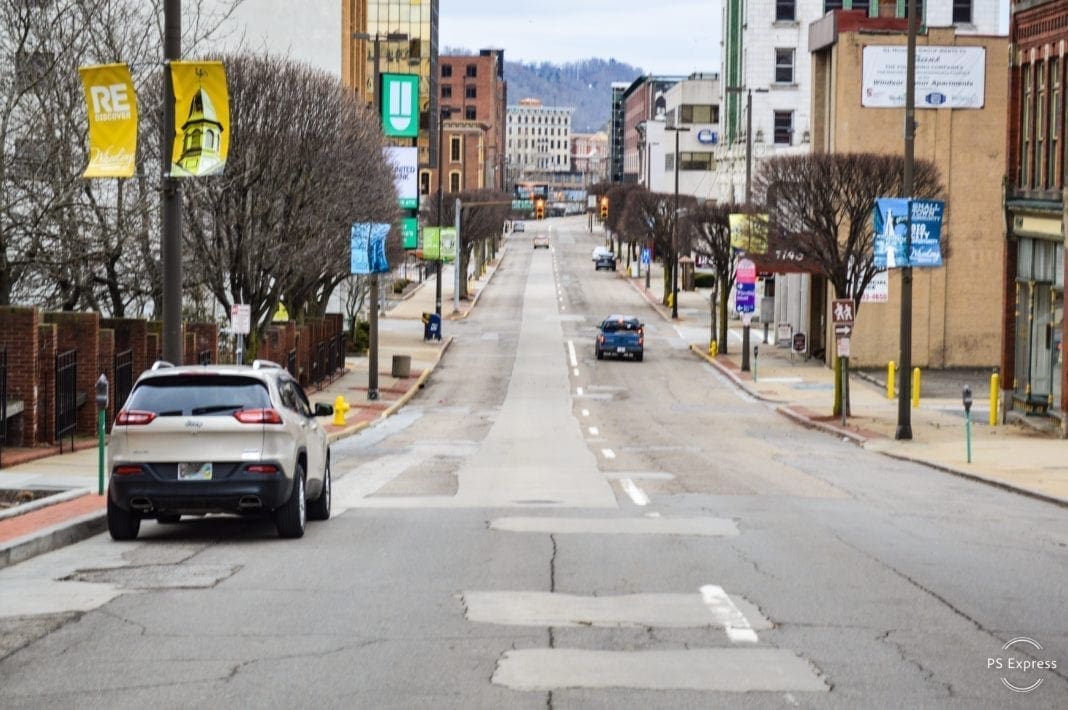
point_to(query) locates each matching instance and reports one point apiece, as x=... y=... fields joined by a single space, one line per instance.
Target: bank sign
x=400 y=105
x=405 y=162
x=891 y=221
x=946 y=77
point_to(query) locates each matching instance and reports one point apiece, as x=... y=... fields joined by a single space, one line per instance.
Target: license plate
x=194 y=471
x=621 y=350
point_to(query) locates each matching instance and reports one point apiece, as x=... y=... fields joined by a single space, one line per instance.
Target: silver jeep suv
x=217 y=439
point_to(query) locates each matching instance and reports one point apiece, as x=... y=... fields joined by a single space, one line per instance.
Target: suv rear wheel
x=292 y=516
x=122 y=524
x=319 y=509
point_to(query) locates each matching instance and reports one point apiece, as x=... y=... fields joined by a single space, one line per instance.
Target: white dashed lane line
x=594 y=431
x=636 y=494
x=608 y=453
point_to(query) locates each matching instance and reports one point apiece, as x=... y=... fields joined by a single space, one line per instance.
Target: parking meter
x=101 y=406
x=102 y=392
x=966 y=397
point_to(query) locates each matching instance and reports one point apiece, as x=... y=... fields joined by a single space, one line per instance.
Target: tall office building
x=367 y=26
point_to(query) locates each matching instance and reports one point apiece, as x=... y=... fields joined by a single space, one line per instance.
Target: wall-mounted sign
x=946 y=77
x=707 y=136
x=400 y=105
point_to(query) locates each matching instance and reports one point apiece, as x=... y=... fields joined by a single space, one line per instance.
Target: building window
x=784 y=127
x=472 y=70
x=471 y=92
x=470 y=113
x=832 y=5
x=694 y=160
x=784 y=66
x=1054 y=124
x=446 y=91
x=424 y=182
x=1040 y=125
x=454 y=181
x=1025 y=128
x=864 y=5
x=919 y=10
x=455 y=146
x=699 y=113
x=785 y=10
x=962 y=11
x=446 y=71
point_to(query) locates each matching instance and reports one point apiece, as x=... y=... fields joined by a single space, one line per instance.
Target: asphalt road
x=541 y=529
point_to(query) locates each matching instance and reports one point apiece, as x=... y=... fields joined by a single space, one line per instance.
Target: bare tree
x=821 y=206
x=306 y=161
x=649 y=218
x=708 y=232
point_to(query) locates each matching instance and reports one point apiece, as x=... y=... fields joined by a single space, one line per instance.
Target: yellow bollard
x=891 y=378
x=340 y=407
x=994 y=382
x=713 y=348
x=915 y=387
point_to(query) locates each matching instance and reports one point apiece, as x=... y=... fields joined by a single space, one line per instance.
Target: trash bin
x=431 y=326
x=402 y=366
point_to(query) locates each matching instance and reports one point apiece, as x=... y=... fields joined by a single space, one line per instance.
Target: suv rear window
x=207 y=395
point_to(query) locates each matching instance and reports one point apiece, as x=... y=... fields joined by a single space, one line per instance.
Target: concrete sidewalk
x=77 y=511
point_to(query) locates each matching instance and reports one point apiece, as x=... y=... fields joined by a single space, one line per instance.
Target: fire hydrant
x=340 y=407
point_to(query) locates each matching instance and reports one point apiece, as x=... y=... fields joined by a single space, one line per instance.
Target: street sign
x=520 y=205
x=842 y=311
x=745 y=272
x=646 y=256
x=843 y=346
x=845 y=329
x=241 y=318
x=745 y=298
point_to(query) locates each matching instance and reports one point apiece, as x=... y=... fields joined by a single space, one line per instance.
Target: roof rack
x=160 y=364
x=258 y=364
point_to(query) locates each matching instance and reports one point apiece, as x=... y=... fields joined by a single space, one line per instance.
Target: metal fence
x=123 y=377
x=66 y=396
x=291 y=362
x=204 y=356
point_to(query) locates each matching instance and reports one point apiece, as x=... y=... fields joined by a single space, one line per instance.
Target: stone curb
x=52 y=538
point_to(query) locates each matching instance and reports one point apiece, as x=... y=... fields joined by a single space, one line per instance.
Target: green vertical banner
x=400 y=105
x=409 y=232
x=431 y=243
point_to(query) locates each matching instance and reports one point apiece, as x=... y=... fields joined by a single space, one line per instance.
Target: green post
x=101 y=408
x=100 y=452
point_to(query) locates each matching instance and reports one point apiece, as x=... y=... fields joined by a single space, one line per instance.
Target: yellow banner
x=749 y=232
x=201 y=119
x=112 y=108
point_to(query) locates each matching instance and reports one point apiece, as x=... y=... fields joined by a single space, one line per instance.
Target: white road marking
x=652 y=515
x=791 y=700
x=594 y=431
x=571 y=353
x=705 y=526
x=636 y=494
x=637 y=475
x=608 y=453
x=585 y=412
x=736 y=625
x=575 y=371
x=578 y=391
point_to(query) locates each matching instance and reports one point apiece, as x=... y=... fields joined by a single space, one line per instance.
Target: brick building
x=1032 y=354
x=950 y=326
x=473 y=95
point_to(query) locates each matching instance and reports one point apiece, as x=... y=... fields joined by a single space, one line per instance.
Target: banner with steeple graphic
x=112 y=109
x=201 y=118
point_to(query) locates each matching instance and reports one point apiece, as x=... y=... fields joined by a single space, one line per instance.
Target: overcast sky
x=675 y=37
x=678 y=37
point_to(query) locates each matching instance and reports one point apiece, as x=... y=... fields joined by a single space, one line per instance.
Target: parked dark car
x=620 y=335
x=605 y=261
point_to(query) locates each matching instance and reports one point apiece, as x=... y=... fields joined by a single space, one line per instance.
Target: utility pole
x=904 y=413
x=171 y=200
x=441 y=179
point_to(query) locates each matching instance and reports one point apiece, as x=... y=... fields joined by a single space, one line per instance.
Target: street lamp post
x=748 y=190
x=372 y=320
x=171 y=199
x=904 y=414
x=675 y=227
x=442 y=115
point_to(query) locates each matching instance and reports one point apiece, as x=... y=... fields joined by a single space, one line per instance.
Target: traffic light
x=604 y=208
x=539 y=209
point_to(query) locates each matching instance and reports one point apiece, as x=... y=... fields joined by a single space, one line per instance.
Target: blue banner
x=368 y=250
x=891 y=221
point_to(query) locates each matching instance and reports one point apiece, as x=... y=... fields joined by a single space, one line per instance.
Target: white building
x=693 y=106
x=538 y=138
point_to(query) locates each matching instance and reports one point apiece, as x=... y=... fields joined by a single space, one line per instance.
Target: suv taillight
x=134 y=417
x=258 y=416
